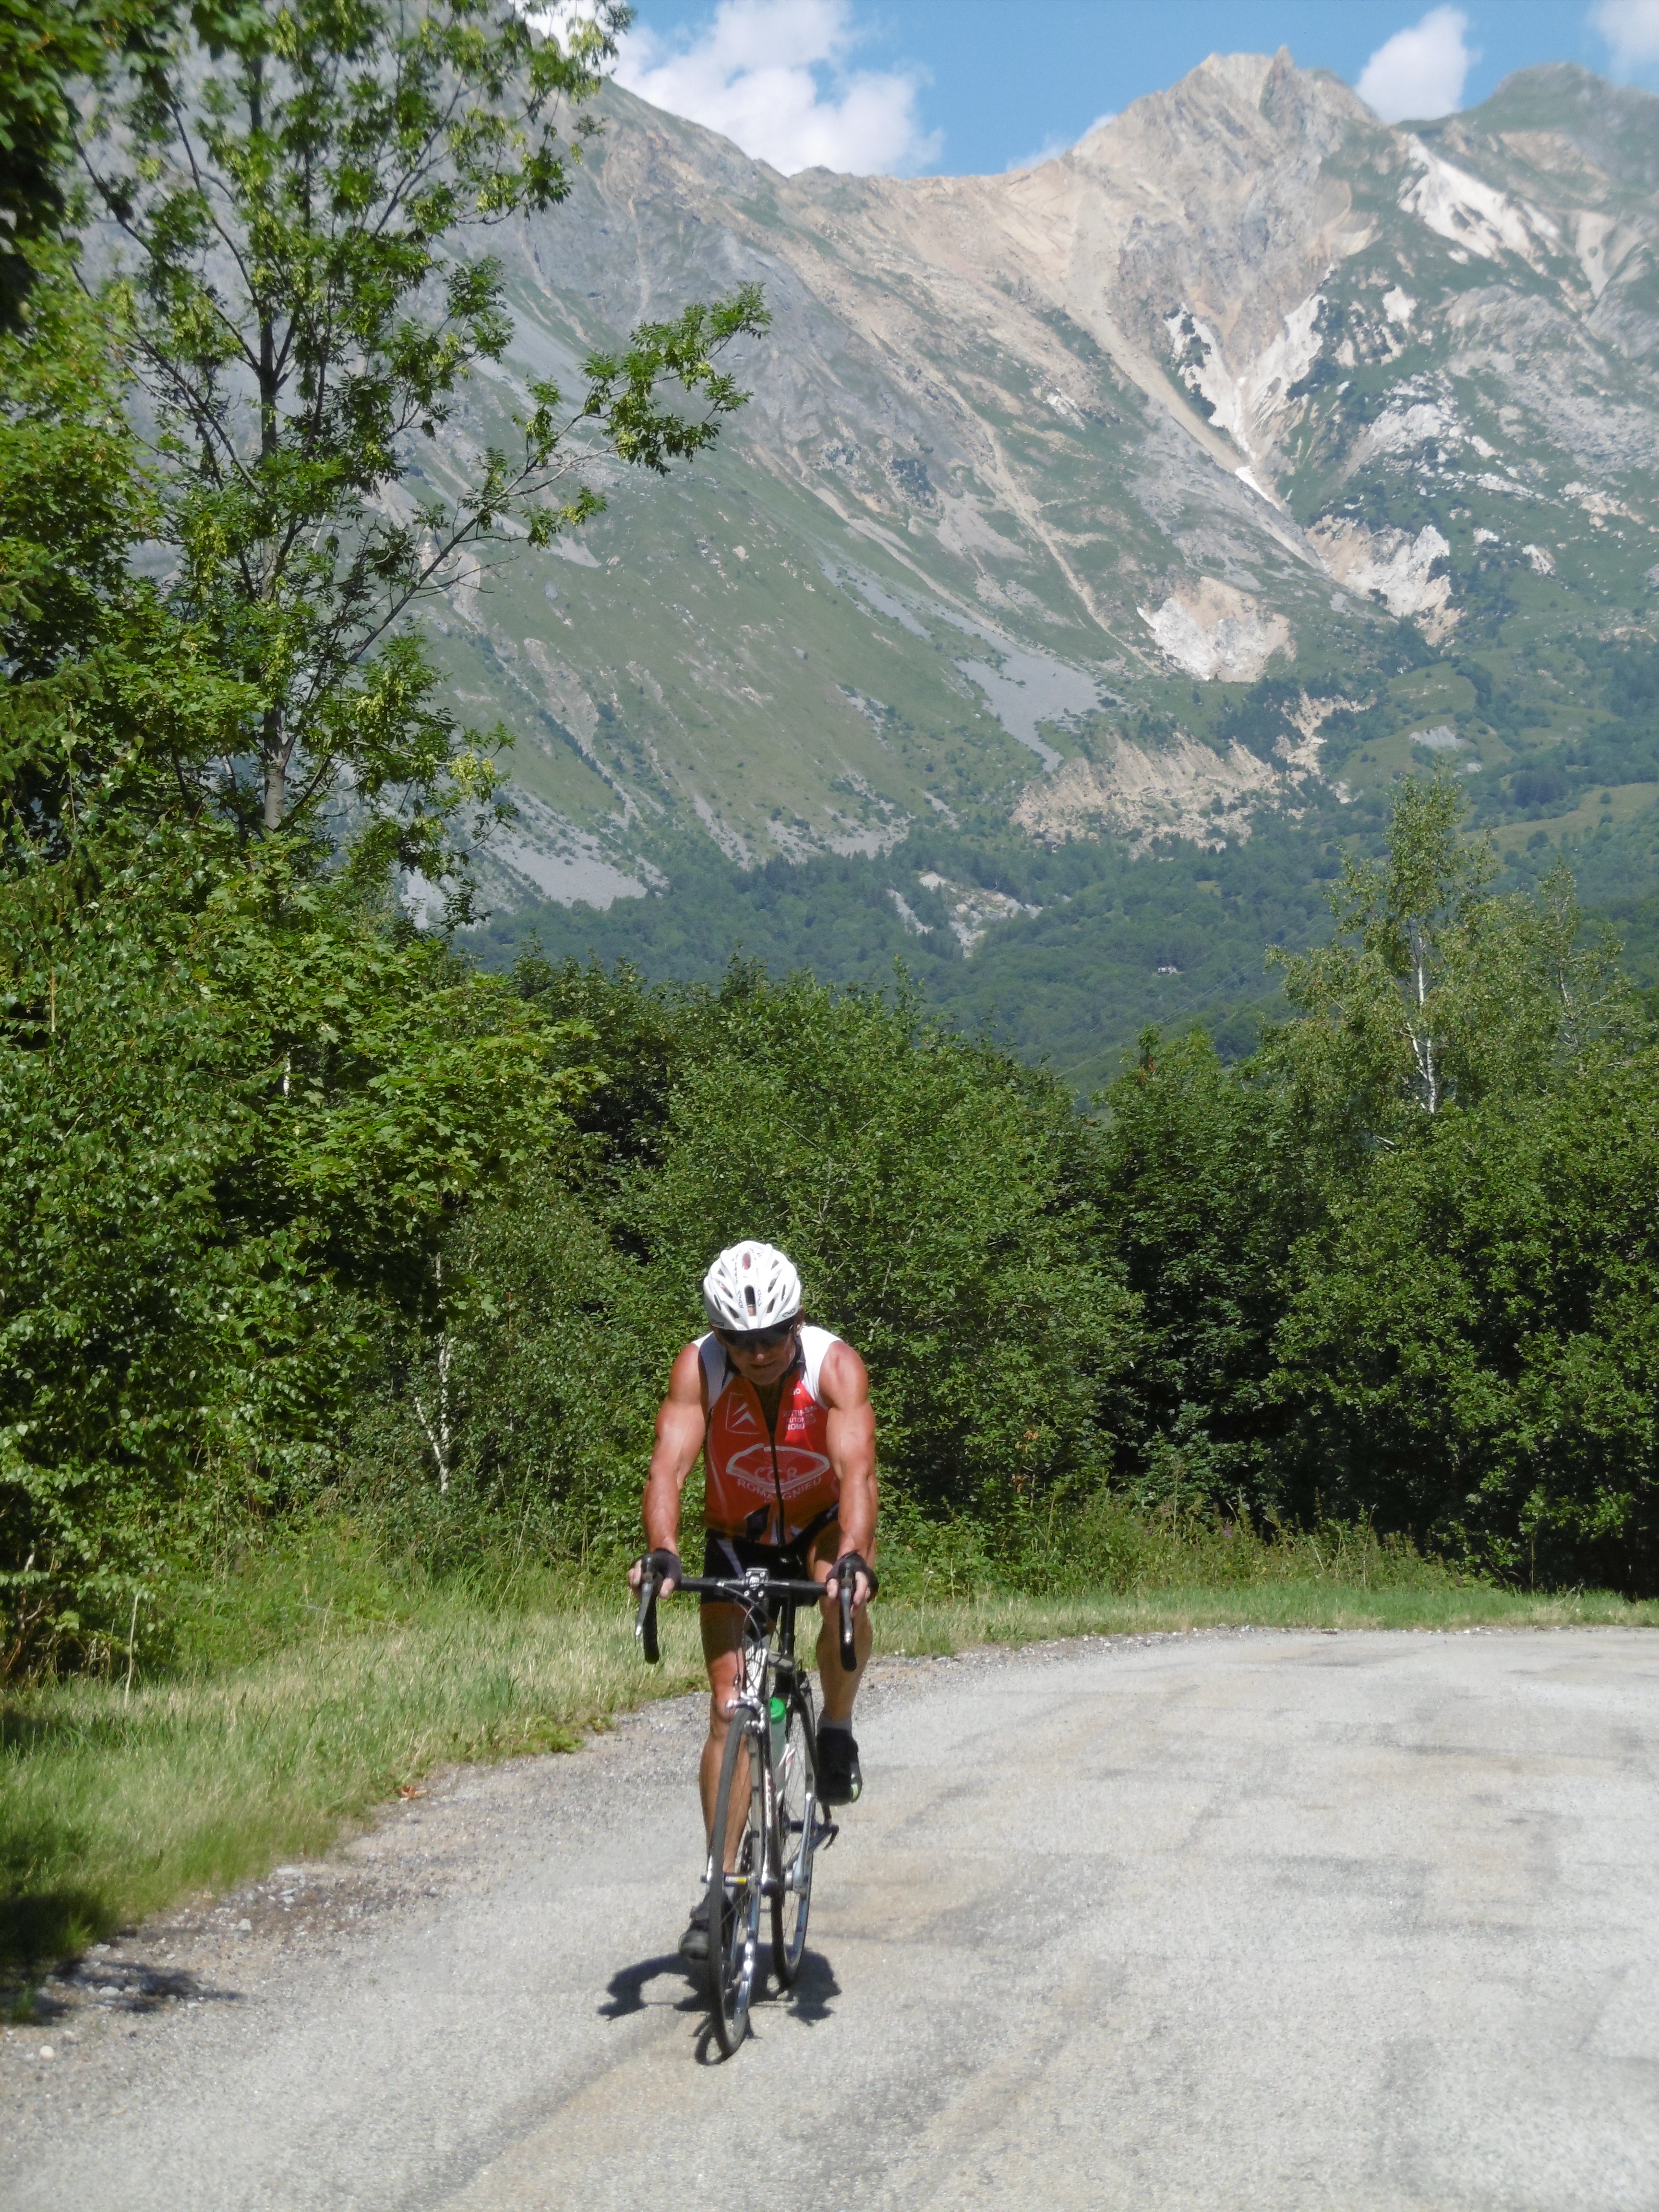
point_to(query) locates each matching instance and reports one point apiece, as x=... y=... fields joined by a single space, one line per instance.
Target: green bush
x=934 y=1194
x=516 y=1428
x=238 y=1110
x=1474 y=1347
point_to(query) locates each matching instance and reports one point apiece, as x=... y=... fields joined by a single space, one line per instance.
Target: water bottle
x=779 y=1714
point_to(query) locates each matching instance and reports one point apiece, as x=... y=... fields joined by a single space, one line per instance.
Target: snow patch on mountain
x=1244 y=402
x=1474 y=215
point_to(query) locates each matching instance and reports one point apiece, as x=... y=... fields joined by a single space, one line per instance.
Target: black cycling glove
x=664 y=1564
x=849 y=1566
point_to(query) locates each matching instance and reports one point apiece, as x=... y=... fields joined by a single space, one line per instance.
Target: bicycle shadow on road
x=815 y=1986
x=626 y=1989
x=629 y=1991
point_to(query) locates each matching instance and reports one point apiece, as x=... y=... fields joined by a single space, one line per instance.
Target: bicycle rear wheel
x=734 y=1896
x=799 y=1822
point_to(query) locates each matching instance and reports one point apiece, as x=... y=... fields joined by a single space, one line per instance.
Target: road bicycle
x=771 y=1833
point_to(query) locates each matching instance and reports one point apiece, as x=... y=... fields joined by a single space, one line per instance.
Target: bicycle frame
x=770 y=1668
x=757 y=1844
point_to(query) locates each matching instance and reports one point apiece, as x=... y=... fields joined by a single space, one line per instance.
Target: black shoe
x=840 y=1782
x=694 y=1944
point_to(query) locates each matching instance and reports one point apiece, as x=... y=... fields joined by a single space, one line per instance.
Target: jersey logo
x=739 y=1458
x=798 y=1471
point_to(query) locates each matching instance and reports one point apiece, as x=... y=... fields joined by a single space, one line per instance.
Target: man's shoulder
x=838 y=1375
x=685 y=1378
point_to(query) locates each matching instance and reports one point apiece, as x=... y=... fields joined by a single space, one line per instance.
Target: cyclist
x=781 y=1412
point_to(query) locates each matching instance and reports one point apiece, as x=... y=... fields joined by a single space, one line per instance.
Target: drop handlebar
x=739 y=1590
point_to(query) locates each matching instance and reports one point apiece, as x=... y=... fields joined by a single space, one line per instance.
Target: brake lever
x=644 y=1626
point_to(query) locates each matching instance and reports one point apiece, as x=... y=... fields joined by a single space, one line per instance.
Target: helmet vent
x=752 y=1286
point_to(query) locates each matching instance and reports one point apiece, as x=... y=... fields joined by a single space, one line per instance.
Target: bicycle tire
x=734 y=1898
x=797 y=1815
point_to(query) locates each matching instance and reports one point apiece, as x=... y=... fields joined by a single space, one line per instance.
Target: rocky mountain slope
x=1189 y=486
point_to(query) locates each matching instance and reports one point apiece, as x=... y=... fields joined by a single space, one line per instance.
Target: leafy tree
x=1449 y=995
x=104 y=688
x=934 y=1195
x=238 y=1112
x=524 y=1426
x=1474 y=1346
x=48 y=49
x=286 y=197
x=1195 y=1204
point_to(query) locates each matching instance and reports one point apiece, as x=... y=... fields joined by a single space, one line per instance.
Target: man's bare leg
x=839 y=1688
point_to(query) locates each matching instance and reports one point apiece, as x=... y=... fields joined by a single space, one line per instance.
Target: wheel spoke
x=734 y=1898
x=798 y=1832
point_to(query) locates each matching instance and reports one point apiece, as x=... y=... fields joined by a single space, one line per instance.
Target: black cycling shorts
x=726 y=1556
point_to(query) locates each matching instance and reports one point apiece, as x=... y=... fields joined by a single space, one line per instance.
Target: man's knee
x=721 y=1703
x=724 y=1669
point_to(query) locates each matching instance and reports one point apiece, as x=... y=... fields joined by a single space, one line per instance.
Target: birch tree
x=1435 y=991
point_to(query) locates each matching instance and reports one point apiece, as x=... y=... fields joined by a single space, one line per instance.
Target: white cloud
x=1053 y=146
x=772 y=75
x=1630 y=28
x=1050 y=150
x=1419 y=72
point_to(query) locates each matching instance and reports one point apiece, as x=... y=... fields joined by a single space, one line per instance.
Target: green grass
x=995 y=1618
x=314 y=1685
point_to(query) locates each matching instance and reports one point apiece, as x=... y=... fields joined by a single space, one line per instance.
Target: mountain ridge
x=1236 y=441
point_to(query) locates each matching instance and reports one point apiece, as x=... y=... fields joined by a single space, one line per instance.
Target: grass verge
x=316 y=1685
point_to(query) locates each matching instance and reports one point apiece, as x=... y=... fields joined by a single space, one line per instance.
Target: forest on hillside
x=307 y=1212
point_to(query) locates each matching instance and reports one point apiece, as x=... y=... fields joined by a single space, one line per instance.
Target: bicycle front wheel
x=799 y=1822
x=734 y=1894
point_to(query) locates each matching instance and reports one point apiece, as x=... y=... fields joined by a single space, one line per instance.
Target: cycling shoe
x=839 y=1781
x=694 y=1944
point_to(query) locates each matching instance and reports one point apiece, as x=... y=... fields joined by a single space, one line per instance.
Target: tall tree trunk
x=275 y=760
x=275 y=751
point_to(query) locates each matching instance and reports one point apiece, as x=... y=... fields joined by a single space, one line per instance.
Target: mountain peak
x=1238 y=462
x=1614 y=126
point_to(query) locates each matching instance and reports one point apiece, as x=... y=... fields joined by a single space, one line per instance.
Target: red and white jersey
x=746 y=1468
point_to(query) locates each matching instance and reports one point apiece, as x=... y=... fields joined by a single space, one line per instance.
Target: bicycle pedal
x=827 y=1835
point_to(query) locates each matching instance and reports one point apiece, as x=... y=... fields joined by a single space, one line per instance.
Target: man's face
x=762 y=1368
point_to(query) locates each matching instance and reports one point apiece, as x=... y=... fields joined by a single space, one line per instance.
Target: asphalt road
x=1223 y=1921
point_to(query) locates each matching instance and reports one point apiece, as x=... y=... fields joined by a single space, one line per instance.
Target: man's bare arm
x=844 y=1383
x=681 y=1425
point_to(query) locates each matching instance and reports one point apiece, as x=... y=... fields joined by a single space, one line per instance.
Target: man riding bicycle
x=781 y=1412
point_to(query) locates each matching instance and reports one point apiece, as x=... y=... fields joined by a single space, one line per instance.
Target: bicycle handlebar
x=738 y=1586
x=739 y=1589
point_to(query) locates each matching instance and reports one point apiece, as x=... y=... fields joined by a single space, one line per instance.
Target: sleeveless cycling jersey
x=747 y=1469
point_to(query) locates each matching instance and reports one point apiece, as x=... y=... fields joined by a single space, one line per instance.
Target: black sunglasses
x=756 y=1339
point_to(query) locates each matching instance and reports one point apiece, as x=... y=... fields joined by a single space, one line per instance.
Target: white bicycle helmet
x=750 y=1286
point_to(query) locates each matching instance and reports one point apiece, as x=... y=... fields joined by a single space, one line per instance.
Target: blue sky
x=974 y=85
